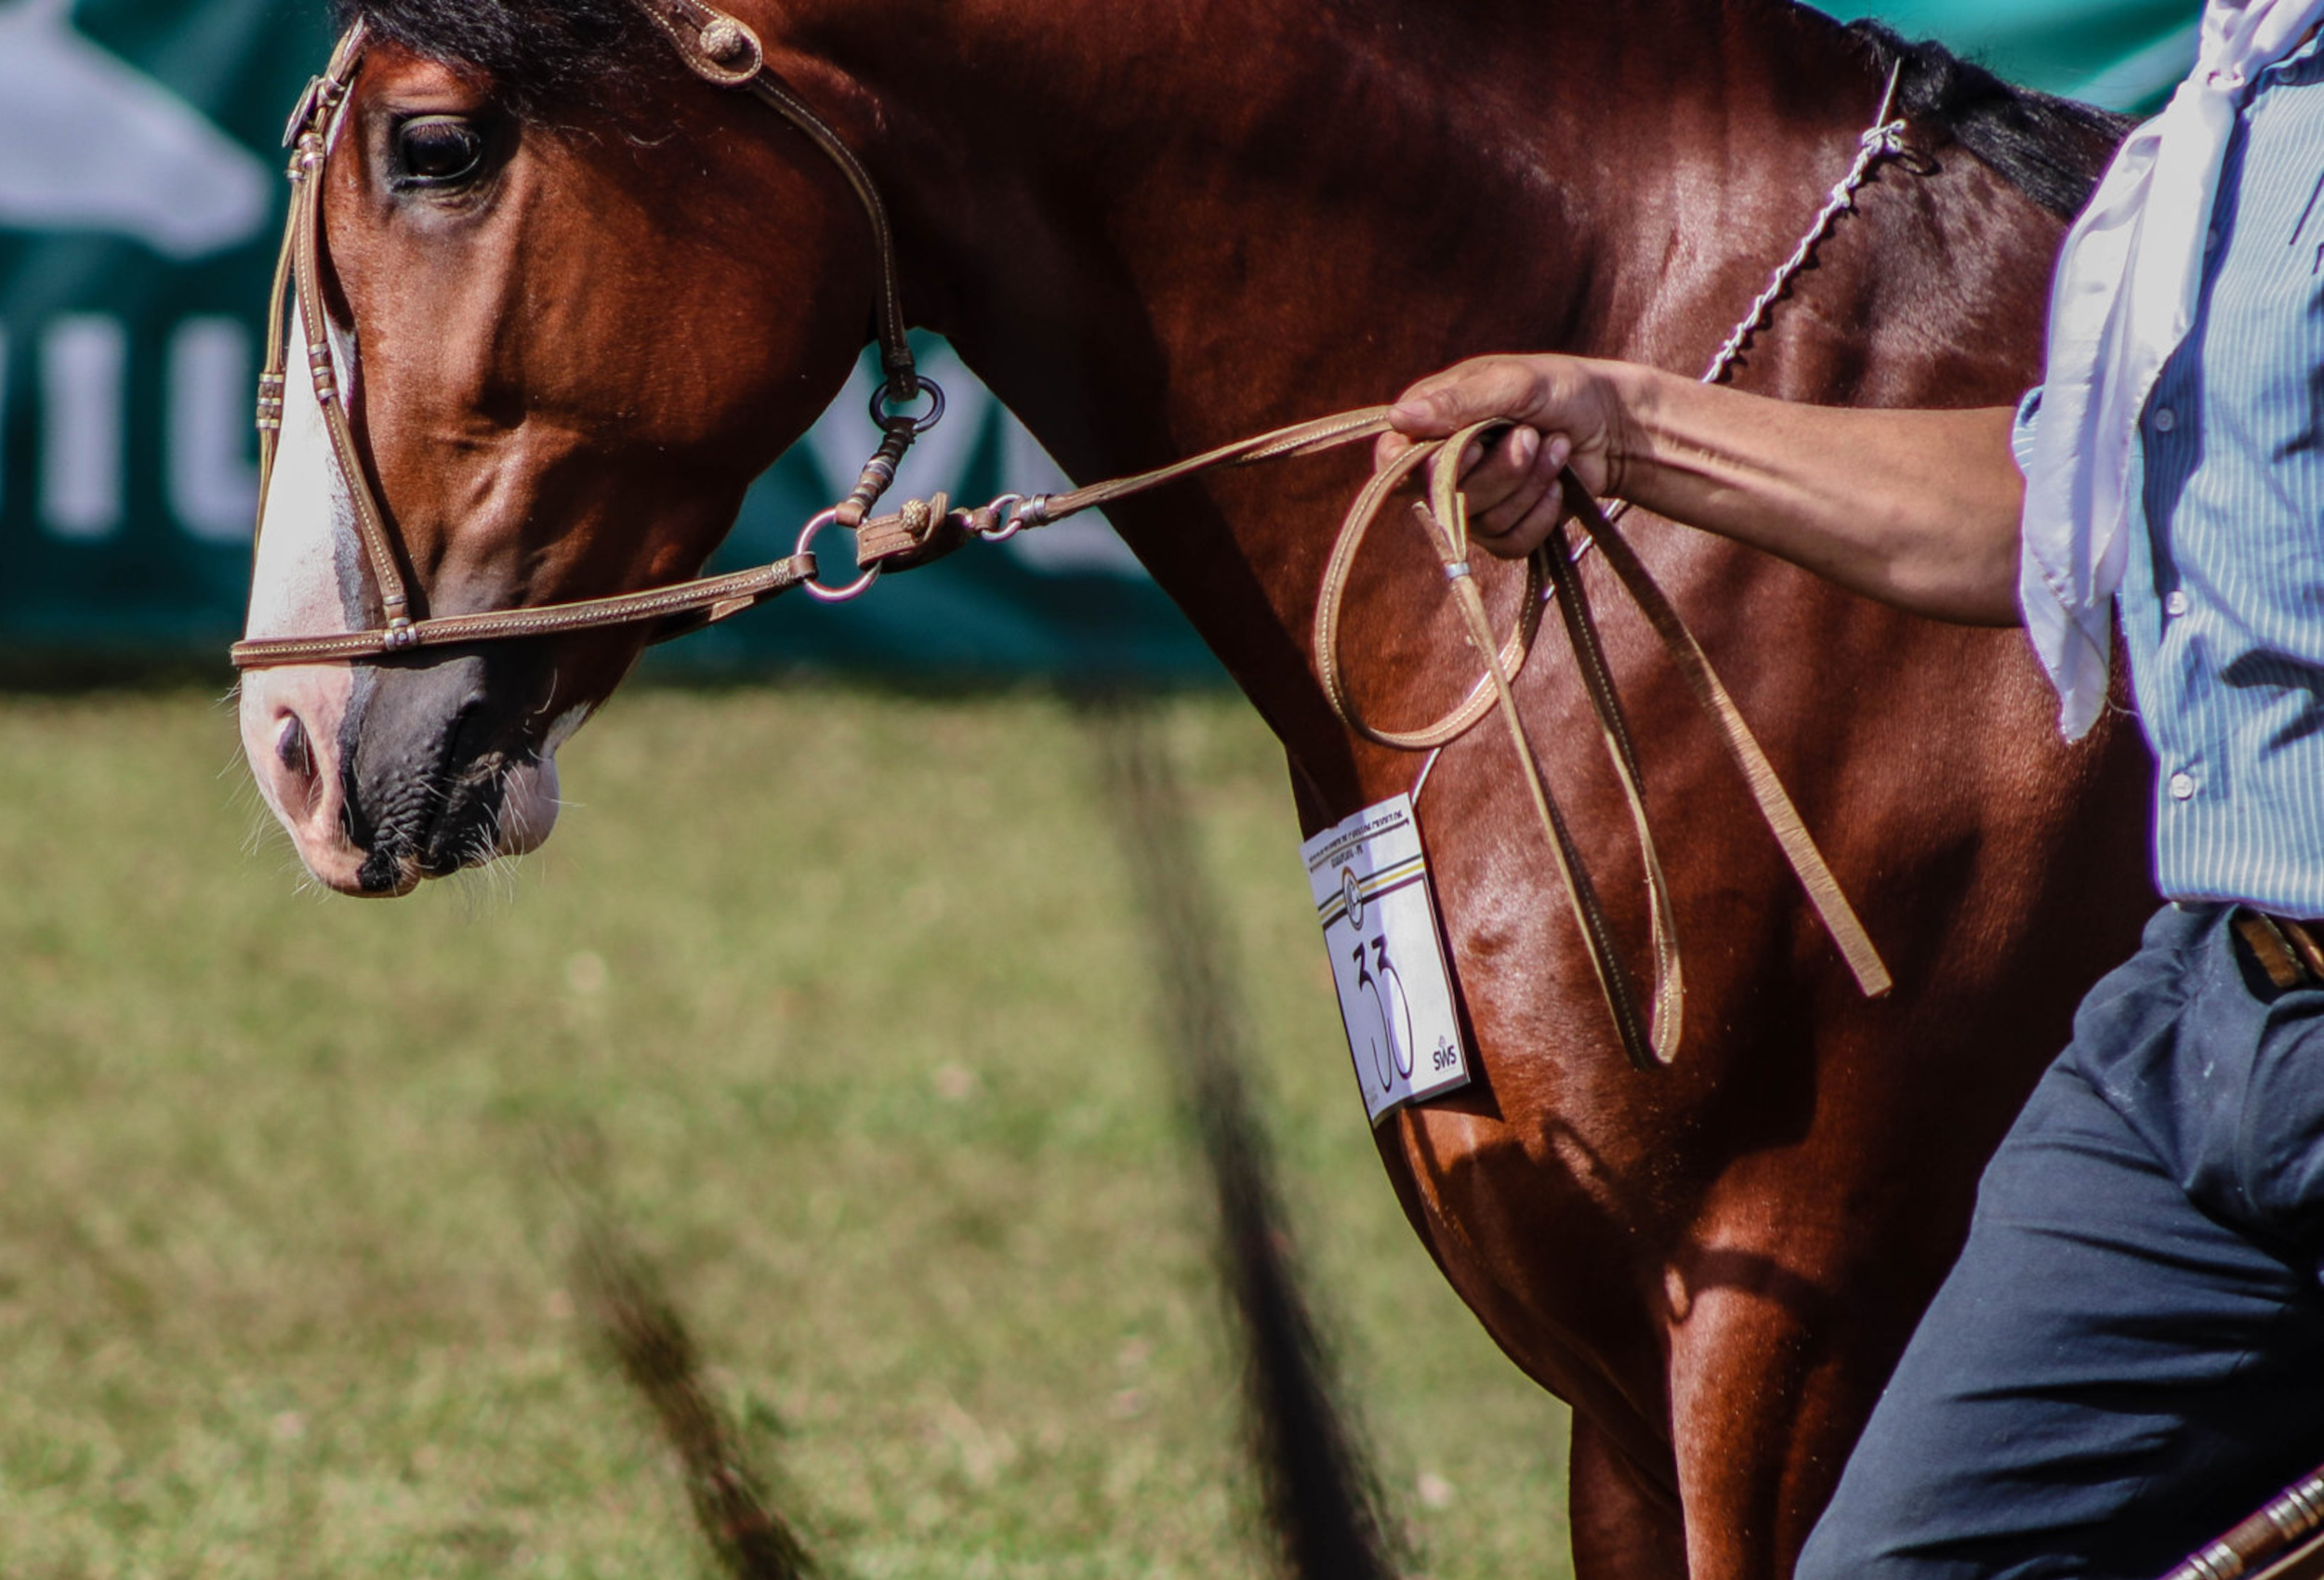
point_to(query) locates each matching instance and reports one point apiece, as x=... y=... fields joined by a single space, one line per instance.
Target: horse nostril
x=292 y=748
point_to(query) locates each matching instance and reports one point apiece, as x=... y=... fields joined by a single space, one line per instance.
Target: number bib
x=1370 y=880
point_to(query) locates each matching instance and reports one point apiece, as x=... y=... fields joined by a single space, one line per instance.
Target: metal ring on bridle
x=883 y=400
x=1007 y=511
x=816 y=590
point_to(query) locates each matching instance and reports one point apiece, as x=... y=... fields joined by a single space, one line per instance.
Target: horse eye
x=438 y=150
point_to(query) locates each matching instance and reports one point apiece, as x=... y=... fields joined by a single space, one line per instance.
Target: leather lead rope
x=1651 y=1037
x=725 y=52
x=1445 y=520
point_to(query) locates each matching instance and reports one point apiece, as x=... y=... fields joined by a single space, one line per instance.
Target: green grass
x=840 y=991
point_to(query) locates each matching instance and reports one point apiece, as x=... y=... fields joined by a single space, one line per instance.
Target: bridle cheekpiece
x=722 y=50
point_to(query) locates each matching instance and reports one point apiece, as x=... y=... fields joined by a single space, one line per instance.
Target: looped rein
x=1650 y=1037
x=725 y=52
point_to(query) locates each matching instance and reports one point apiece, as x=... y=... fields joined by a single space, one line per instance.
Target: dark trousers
x=2129 y=1357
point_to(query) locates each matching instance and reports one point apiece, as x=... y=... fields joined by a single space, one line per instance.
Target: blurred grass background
x=835 y=993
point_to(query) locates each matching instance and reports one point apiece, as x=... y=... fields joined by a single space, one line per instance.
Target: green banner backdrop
x=139 y=200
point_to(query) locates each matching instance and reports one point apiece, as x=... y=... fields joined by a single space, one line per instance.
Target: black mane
x=536 y=51
x=2053 y=150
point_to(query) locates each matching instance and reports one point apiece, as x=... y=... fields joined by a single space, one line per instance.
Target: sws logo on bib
x=89 y=143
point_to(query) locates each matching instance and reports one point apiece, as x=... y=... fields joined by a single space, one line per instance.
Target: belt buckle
x=2287 y=951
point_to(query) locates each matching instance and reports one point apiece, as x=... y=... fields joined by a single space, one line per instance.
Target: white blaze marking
x=307 y=542
x=307 y=583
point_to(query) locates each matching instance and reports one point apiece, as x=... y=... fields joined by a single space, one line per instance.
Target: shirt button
x=2181 y=788
x=2175 y=605
x=2165 y=419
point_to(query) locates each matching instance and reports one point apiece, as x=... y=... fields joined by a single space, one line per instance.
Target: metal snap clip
x=1007 y=514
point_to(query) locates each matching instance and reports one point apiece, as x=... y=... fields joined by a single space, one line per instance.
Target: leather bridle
x=722 y=50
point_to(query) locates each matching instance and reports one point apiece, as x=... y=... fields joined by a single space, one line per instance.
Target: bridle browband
x=722 y=50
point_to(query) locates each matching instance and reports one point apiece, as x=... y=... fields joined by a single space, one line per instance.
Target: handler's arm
x=1916 y=509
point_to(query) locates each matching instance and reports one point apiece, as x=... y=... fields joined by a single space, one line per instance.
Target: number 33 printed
x=1390 y=1033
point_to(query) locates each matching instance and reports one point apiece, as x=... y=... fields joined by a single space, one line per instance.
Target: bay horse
x=578 y=300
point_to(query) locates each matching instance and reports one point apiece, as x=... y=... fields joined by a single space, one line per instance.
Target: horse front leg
x=1625 y=1527
x=1763 y=1411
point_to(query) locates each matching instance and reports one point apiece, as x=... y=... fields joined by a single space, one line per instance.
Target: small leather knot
x=724 y=41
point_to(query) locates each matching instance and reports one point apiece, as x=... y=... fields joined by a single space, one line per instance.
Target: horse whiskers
x=487 y=880
x=262 y=830
x=304 y=884
x=487 y=873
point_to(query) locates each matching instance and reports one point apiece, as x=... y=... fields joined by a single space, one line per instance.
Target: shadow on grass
x=1323 y=1501
x=638 y=1328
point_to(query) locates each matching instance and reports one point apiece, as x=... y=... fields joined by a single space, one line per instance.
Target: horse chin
x=528 y=806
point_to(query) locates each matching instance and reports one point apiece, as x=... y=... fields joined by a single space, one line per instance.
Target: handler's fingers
x=1513 y=525
x=1475 y=392
x=1498 y=472
x=1529 y=534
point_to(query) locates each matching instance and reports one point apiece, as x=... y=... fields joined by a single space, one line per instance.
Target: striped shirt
x=2223 y=605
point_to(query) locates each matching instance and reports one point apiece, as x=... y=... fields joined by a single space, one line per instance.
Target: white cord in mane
x=1884 y=140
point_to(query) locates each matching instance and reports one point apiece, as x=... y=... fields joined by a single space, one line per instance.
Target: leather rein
x=724 y=51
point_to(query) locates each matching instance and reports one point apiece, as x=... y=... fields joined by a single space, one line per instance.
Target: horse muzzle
x=387 y=775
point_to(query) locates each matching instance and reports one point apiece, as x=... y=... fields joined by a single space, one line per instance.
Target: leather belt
x=2290 y=953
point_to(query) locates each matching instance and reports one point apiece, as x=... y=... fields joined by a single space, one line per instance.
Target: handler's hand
x=1565 y=411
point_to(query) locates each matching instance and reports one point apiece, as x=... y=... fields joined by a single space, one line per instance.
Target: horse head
x=559 y=382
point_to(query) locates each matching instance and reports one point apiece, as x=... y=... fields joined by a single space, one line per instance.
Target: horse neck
x=1247 y=163
x=1155 y=227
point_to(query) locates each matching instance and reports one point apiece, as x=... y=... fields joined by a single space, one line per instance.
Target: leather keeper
x=920 y=534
